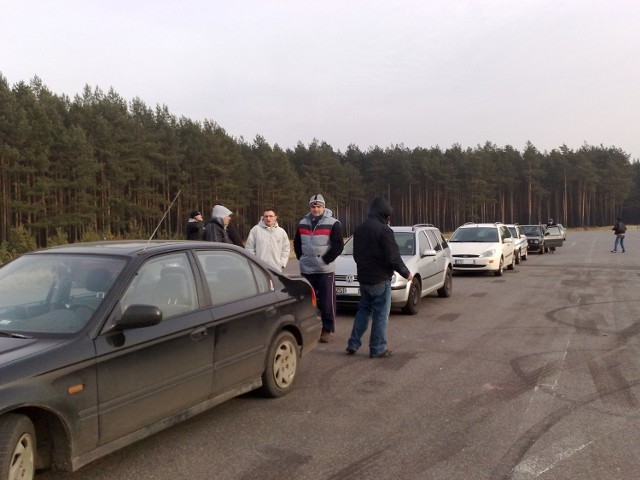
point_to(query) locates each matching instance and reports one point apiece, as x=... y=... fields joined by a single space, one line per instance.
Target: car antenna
x=165 y=214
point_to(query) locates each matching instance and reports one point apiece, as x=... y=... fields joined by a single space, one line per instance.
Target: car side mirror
x=428 y=252
x=139 y=316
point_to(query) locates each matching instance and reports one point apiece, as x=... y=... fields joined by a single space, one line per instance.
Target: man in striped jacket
x=317 y=243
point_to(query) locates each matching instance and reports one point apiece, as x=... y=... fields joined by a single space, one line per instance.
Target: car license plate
x=464 y=261
x=347 y=291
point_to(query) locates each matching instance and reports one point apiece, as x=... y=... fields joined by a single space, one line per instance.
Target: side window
x=443 y=240
x=231 y=276
x=166 y=282
x=434 y=240
x=423 y=243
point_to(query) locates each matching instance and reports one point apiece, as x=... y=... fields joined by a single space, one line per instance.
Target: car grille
x=347 y=278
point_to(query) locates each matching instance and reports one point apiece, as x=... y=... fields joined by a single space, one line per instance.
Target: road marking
x=537 y=465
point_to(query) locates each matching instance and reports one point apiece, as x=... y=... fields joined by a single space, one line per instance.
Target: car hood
x=472 y=248
x=12 y=349
x=346 y=265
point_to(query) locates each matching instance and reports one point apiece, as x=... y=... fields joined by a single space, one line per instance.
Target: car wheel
x=498 y=273
x=445 y=290
x=413 y=301
x=526 y=254
x=512 y=265
x=517 y=255
x=17 y=447
x=282 y=364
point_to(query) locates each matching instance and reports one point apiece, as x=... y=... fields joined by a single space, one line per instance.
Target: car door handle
x=199 y=333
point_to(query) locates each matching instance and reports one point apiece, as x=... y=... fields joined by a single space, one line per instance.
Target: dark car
x=535 y=238
x=103 y=344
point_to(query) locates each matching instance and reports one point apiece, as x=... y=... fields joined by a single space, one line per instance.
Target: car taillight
x=314 y=301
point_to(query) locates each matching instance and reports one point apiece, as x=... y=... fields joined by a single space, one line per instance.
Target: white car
x=477 y=247
x=426 y=254
x=520 y=243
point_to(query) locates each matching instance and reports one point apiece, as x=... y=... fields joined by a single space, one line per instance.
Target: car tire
x=17 y=447
x=512 y=265
x=498 y=273
x=282 y=363
x=413 y=299
x=517 y=255
x=445 y=290
x=526 y=254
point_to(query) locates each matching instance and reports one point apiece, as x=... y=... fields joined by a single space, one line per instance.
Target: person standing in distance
x=619 y=230
x=549 y=223
x=317 y=243
x=195 y=226
x=216 y=229
x=268 y=241
x=377 y=256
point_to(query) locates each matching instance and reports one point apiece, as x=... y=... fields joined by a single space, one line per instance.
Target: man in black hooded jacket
x=376 y=254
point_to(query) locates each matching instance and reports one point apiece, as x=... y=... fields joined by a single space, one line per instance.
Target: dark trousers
x=325 y=286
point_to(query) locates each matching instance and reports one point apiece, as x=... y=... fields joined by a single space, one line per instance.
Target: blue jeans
x=375 y=303
x=620 y=240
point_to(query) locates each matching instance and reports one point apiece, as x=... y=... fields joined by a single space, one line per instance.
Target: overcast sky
x=370 y=73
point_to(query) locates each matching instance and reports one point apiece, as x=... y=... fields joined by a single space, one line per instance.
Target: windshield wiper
x=13 y=335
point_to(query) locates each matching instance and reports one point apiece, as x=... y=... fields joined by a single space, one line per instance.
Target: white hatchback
x=482 y=247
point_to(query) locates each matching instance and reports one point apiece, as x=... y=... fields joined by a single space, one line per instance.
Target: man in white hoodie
x=269 y=242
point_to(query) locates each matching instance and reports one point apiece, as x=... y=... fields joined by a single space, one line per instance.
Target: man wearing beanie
x=317 y=243
x=195 y=226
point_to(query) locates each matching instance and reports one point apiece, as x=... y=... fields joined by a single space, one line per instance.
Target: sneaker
x=325 y=337
x=385 y=354
x=613 y=251
x=350 y=351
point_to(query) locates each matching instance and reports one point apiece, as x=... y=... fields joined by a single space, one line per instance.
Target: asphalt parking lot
x=532 y=375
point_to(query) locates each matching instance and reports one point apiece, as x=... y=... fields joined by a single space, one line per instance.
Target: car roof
x=413 y=228
x=474 y=225
x=125 y=247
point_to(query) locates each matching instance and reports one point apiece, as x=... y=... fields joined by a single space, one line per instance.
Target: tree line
x=98 y=166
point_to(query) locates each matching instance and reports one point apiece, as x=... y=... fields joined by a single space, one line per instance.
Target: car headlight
x=398 y=281
x=488 y=253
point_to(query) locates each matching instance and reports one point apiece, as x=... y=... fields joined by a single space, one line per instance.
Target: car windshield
x=475 y=234
x=513 y=231
x=405 y=240
x=53 y=293
x=531 y=230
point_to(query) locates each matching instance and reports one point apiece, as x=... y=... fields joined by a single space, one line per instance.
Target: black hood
x=380 y=209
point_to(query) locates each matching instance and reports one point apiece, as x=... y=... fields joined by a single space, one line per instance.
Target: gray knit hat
x=317 y=199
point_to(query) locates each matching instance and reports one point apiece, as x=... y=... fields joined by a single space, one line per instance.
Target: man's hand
x=410 y=277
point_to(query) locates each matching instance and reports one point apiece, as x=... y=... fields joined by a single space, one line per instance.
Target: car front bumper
x=473 y=264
